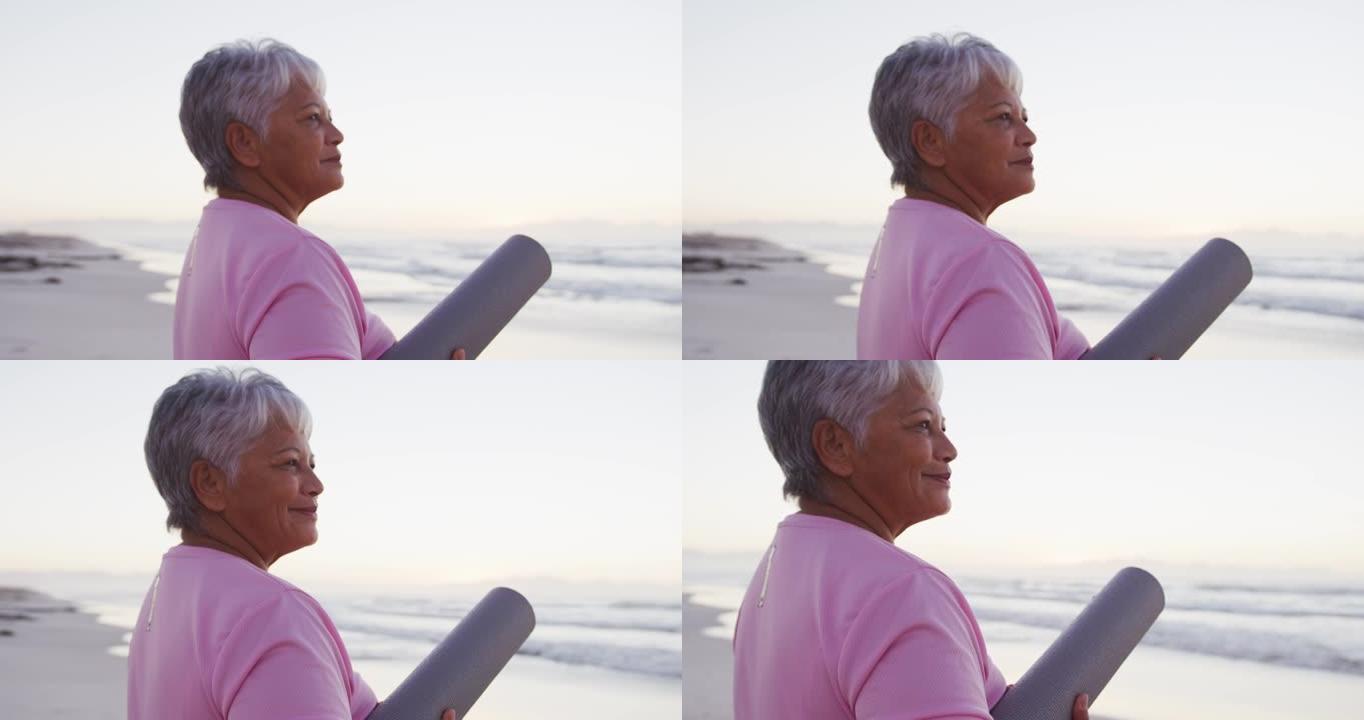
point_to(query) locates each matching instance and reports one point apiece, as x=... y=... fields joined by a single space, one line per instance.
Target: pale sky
x=1165 y=117
x=432 y=473
x=456 y=114
x=1244 y=465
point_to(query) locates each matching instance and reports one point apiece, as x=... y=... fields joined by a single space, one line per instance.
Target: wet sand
x=66 y=298
x=57 y=662
x=746 y=298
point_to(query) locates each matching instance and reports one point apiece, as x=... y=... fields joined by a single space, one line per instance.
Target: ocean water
x=633 y=637
x=618 y=287
x=1305 y=290
x=1299 y=625
x=629 y=649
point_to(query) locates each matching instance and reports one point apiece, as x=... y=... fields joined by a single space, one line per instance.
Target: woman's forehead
x=991 y=91
x=909 y=397
x=301 y=94
x=280 y=434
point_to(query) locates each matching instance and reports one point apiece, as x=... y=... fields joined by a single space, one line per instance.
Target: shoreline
x=57 y=660
x=707 y=664
x=749 y=298
x=70 y=298
x=1154 y=681
x=753 y=298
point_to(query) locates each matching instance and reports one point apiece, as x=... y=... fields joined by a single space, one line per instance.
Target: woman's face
x=299 y=155
x=272 y=501
x=901 y=470
x=989 y=154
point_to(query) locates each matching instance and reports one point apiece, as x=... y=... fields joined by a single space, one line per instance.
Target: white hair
x=214 y=415
x=930 y=78
x=243 y=82
x=796 y=394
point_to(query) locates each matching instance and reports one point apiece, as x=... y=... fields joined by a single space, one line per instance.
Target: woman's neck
x=260 y=193
x=946 y=193
x=218 y=535
x=858 y=514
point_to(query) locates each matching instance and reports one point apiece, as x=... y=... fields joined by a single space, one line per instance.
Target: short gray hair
x=212 y=415
x=929 y=78
x=243 y=82
x=796 y=394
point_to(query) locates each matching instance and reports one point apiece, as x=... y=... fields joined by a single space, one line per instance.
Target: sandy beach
x=750 y=298
x=1154 y=683
x=63 y=667
x=67 y=298
x=56 y=660
x=707 y=665
x=747 y=298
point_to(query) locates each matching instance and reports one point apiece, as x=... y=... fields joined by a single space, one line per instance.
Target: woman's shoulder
x=861 y=554
x=947 y=235
x=245 y=228
x=228 y=579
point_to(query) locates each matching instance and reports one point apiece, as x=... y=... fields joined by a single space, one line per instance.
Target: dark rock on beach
x=710 y=252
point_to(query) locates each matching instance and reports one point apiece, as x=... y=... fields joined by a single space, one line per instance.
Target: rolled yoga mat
x=1085 y=656
x=477 y=310
x=1167 y=323
x=462 y=666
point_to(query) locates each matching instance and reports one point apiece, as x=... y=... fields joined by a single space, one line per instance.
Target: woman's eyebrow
x=310 y=104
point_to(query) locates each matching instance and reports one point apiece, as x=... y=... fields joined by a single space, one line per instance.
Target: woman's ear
x=243 y=143
x=834 y=447
x=929 y=142
x=209 y=485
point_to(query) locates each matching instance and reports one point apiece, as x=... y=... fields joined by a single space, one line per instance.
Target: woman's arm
x=989 y=306
x=914 y=653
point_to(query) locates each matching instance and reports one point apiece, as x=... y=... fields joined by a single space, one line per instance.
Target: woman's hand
x=458 y=354
x=1079 y=712
x=449 y=713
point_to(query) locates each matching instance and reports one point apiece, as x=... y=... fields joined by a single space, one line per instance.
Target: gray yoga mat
x=477 y=310
x=462 y=666
x=1167 y=323
x=1085 y=656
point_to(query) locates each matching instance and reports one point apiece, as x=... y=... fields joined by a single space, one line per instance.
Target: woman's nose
x=1027 y=138
x=947 y=452
x=313 y=486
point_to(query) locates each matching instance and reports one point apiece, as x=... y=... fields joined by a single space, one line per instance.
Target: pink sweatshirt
x=942 y=286
x=220 y=639
x=839 y=623
x=256 y=286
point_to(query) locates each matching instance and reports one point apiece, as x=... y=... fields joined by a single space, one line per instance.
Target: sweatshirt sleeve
x=284 y=661
x=914 y=653
x=298 y=307
x=988 y=307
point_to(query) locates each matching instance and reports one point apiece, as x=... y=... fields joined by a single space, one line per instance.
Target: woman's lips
x=309 y=512
x=944 y=479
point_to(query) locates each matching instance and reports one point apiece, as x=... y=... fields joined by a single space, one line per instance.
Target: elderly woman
x=940 y=284
x=839 y=622
x=218 y=636
x=255 y=284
